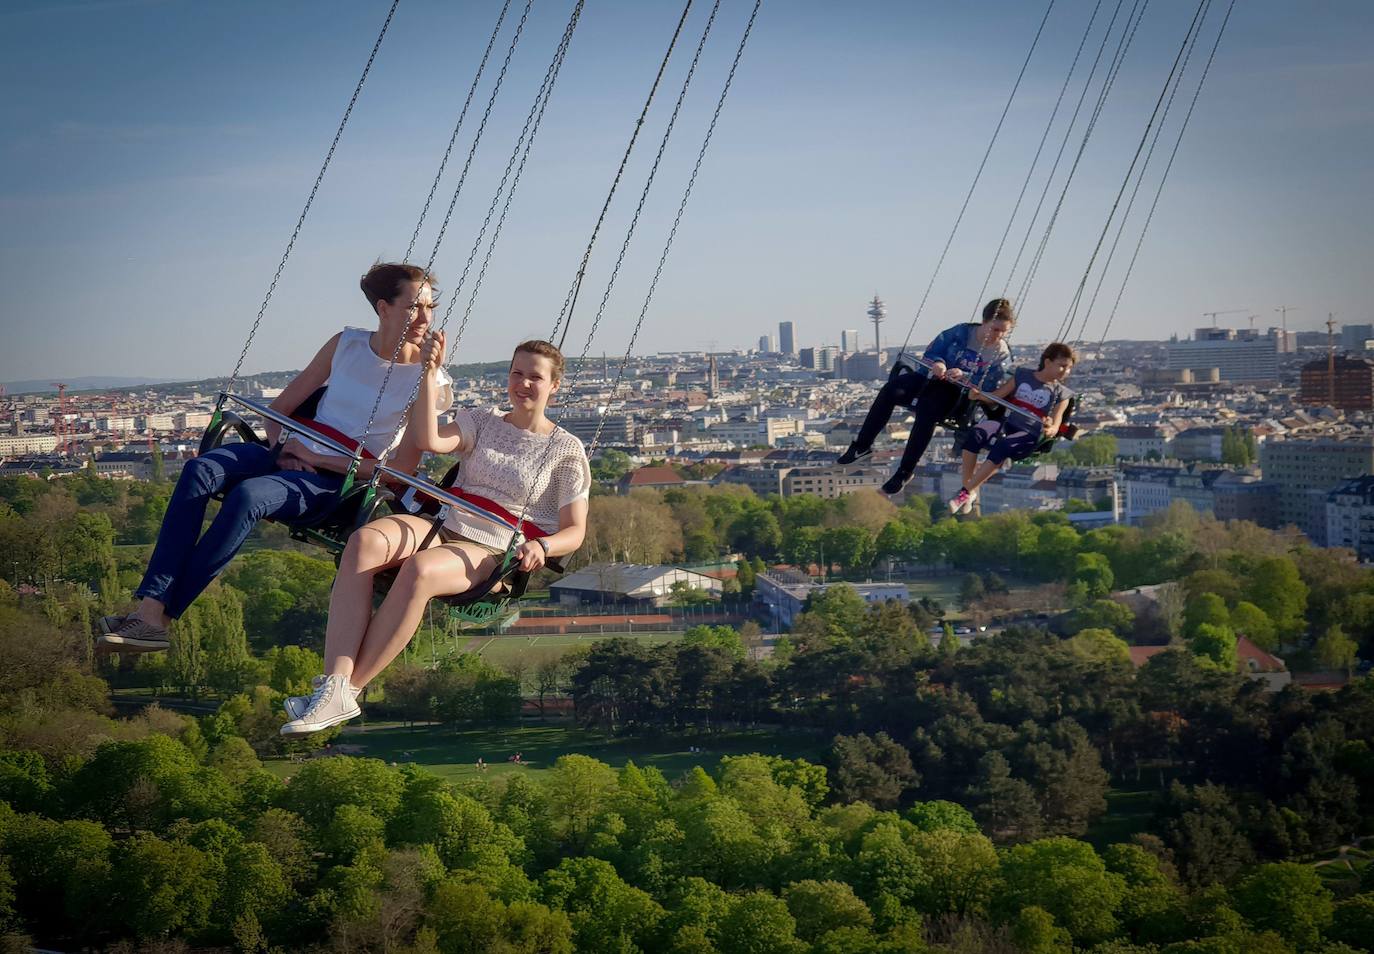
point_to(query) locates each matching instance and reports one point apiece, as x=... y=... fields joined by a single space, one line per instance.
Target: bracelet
x=540 y=541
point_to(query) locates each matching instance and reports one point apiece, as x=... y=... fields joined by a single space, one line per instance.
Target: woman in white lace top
x=513 y=463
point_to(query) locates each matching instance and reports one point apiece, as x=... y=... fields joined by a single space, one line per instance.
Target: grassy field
x=500 y=650
x=1130 y=809
x=453 y=755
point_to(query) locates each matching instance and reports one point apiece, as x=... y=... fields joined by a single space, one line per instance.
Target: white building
x=627 y=582
x=13 y=445
x=786 y=592
x=1350 y=517
x=1239 y=360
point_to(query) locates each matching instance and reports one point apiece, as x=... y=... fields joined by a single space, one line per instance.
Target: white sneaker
x=295 y=706
x=959 y=501
x=967 y=505
x=333 y=702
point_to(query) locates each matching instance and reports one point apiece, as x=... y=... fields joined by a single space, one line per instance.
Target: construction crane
x=1229 y=311
x=60 y=425
x=1283 y=311
x=1331 y=358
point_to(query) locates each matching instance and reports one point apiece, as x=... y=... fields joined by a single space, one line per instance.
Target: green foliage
x=1100 y=646
x=872 y=769
x=1067 y=880
x=1214 y=645
x=715 y=637
x=1337 y=650
x=1288 y=899
x=287 y=596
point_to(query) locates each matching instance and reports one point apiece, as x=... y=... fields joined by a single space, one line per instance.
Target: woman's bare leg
x=379 y=545
x=438 y=571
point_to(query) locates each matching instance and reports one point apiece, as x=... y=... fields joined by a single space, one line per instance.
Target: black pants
x=936 y=400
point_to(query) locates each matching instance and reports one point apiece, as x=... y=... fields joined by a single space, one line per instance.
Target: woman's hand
x=432 y=351
x=296 y=456
x=937 y=370
x=531 y=555
x=954 y=374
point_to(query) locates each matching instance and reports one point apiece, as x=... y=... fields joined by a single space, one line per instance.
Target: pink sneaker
x=960 y=500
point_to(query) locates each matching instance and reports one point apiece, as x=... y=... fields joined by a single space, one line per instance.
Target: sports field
x=453 y=755
x=500 y=650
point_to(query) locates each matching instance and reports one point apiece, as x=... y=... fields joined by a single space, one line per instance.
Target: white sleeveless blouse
x=355 y=376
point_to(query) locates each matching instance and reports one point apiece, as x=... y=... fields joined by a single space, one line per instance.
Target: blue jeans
x=182 y=566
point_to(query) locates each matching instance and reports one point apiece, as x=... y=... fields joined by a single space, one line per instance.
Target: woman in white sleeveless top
x=517 y=463
x=299 y=481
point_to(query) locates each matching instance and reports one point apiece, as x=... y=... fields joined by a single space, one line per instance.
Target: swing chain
x=314 y=189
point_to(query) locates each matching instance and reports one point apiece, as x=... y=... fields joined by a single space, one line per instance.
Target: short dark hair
x=546 y=349
x=1056 y=351
x=383 y=281
x=999 y=309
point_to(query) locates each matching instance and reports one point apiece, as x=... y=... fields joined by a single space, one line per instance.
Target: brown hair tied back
x=546 y=349
x=1056 y=351
x=999 y=309
x=383 y=281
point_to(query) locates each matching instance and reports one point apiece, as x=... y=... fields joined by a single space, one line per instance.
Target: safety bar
x=291 y=424
x=982 y=395
x=439 y=493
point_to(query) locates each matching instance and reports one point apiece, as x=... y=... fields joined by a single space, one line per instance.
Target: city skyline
x=162 y=154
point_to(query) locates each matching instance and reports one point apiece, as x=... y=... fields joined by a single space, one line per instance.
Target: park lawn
x=453 y=754
x=502 y=650
x=1130 y=810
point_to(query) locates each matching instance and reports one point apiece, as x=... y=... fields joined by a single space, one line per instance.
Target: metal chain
x=1113 y=71
x=1139 y=151
x=542 y=101
x=677 y=219
x=570 y=302
x=1063 y=145
x=1172 y=86
x=987 y=153
x=1167 y=168
x=443 y=229
x=648 y=184
x=314 y=189
x=526 y=139
x=1035 y=161
x=453 y=139
x=540 y=98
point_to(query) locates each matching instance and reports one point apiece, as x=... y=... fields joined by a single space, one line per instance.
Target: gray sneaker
x=136 y=635
x=332 y=703
x=108 y=624
x=295 y=706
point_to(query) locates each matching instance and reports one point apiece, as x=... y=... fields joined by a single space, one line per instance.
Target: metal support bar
x=290 y=424
x=983 y=396
x=443 y=496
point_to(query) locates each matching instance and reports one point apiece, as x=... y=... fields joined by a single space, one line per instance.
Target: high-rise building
x=1356 y=337
x=763 y=343
x=1252 y=361
x=1306 y=471
x=849 y=340
x=807 y=357
x=1350 y=388
x=712 y=377
x=787 y=340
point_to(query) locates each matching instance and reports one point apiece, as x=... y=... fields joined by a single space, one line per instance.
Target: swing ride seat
x=494 y=598
x=356 y=504
x=961 y=417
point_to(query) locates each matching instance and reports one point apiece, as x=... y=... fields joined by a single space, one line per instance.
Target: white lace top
x=355 y=377
x=509 y=466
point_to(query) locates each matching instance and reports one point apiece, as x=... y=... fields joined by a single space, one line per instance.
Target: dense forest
x=962 y=804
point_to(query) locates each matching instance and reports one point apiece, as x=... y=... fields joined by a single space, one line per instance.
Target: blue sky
x=156 y=154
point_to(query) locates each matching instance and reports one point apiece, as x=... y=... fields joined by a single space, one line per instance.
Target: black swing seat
x=357 y=503
x=493 y=599
x=961 y=417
